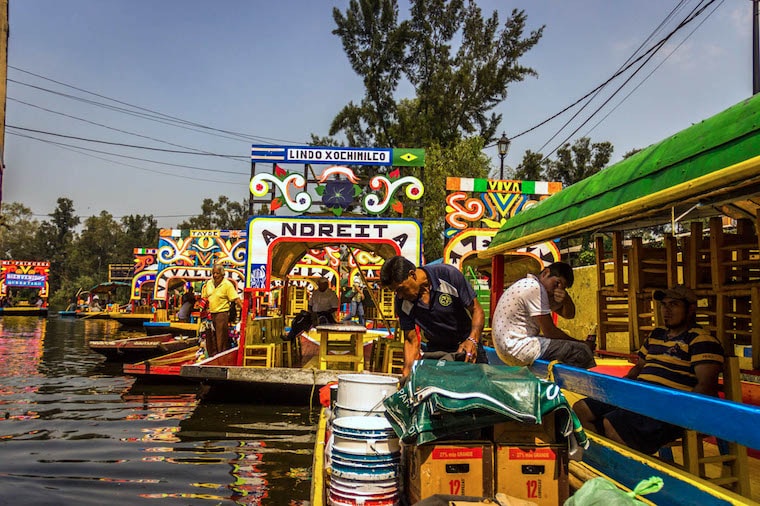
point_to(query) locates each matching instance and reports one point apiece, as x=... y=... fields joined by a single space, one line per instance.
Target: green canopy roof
x=710 y=168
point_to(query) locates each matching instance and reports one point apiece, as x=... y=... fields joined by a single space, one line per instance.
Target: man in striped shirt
x=682 y=356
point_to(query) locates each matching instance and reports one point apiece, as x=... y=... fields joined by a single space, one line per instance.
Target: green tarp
x=443 y=398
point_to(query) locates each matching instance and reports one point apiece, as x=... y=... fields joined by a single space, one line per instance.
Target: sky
x=251 y=71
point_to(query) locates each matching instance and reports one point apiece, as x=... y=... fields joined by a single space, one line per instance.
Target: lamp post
x=503 y=144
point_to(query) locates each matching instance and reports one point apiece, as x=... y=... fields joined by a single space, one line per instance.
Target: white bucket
x=365 y=392
x=342 y=412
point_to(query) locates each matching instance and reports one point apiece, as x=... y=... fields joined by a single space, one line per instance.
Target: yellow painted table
x=337 y=335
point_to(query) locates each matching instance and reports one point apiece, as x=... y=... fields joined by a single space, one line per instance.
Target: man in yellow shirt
x=221 y=294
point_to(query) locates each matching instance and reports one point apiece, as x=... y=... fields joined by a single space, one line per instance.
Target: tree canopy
x=458 y=63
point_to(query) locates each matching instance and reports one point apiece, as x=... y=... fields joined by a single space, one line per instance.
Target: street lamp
x=503 y=145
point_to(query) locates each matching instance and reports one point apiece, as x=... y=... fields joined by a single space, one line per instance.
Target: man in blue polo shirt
x=439 y=300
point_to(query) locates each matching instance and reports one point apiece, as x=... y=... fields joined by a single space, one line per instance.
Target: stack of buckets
x=363 y=452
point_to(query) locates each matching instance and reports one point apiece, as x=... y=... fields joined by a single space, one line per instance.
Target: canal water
x=75 y=430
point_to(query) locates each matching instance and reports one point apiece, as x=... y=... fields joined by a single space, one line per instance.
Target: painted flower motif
x=338 y=194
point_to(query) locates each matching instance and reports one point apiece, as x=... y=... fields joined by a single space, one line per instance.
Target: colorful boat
x=24 y=275
x=23 y=311
x=708 y=173
x=141 y=348
x=174 y=328
x=164 y=366
x=131 y=319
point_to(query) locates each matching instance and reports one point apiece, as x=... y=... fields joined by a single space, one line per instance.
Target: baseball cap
x=679 y=292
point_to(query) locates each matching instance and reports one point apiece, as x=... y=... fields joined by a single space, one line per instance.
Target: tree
x=54 y=239
x=138 y=232
x=224 y=214
x=578 y=161
x=17 y=228
x=454 y=93
x=531 y=168
x=465 y=159
x=98 y=246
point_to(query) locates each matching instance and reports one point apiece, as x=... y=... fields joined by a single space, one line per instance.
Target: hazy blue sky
x=274 y=72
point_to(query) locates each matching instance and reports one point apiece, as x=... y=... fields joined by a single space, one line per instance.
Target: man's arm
x=707 y=378
x=549 y=330
x=634 y=371
x=411 y=351
x=476 y=329
x=563 y=304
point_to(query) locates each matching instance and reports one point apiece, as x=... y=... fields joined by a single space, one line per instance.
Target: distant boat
x=23 y=311
x=141 y=348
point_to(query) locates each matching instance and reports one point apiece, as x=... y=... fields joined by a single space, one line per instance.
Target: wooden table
x=342 y=334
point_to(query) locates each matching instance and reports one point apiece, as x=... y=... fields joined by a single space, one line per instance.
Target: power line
x=258 y=138
x=697 y=11
x=104 y=126
x=603 y=84
x=168 y=164
x=620 y=69
x=654 y=70
x=121 y=144
x=78 y=150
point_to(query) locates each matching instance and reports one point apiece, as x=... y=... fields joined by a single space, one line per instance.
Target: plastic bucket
x=342 y=412
x=365 y=392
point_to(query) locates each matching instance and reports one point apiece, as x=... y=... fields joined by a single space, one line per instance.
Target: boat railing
x=726 y=420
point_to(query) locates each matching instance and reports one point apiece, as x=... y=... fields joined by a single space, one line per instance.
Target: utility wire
x=121 y=144
x=584 y=97
x=654 y=70
x=79 y=151
x=599 y=90
x=693 y=15
x=174 y=118
x=168 y=164
x=106 y=126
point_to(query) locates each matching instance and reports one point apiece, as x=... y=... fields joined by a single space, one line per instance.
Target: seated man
x=323 y=303
x=522 y=326
x=682 y=355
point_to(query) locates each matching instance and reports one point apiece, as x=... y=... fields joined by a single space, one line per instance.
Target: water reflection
x=75 y=430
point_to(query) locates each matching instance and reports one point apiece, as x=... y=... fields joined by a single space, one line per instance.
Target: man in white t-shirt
x=523 y=328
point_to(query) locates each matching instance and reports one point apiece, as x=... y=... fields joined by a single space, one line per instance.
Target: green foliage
x=454 y=88
x=586 y=257
x=531 y=168
x=578 y=161
x=465 y=159
x=225 y=214
x=17 y=229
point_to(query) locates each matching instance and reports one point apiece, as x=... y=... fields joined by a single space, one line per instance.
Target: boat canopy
x=711 y=168
x=288 y=254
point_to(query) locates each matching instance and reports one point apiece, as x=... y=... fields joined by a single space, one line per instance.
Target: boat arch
x=276 y=244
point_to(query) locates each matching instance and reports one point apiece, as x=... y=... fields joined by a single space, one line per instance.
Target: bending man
x=442 y=303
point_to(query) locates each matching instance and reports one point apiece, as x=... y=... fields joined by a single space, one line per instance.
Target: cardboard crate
x=527 y=433
x=451 y=467
x=533 y=472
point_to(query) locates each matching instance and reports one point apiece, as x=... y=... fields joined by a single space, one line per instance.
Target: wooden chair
x=732 y=458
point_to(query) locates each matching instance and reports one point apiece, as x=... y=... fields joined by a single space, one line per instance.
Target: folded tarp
x=442 y=398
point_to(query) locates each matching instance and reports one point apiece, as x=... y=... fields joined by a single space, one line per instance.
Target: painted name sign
x=25 y=280
x=264 y=232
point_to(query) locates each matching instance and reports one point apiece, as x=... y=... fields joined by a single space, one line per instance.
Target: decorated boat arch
x=24 y=274
x=189 y=255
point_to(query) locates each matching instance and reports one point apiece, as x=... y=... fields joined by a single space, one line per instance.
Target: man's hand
x=559 y=296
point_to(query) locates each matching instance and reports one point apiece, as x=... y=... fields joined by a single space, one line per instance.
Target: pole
x=3 y=85
x=755 y=49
